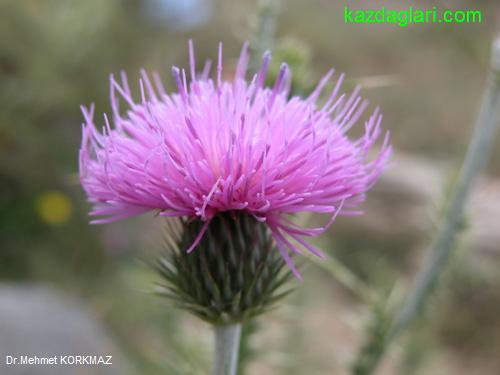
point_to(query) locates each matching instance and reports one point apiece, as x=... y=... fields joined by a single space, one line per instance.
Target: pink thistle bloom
x=218 y=145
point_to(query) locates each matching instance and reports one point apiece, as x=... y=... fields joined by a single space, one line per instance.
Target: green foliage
x=56 y=56
x=417 y=348
x=376 y=336
x=298 y=57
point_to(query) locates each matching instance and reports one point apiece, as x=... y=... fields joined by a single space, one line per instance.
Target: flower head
x=220 y=145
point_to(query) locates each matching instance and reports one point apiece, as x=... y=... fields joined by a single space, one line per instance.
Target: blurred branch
x=263 y=30
x=477 y=154
x=345 y=277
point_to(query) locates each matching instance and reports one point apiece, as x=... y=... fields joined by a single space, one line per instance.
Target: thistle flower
x=217 y=147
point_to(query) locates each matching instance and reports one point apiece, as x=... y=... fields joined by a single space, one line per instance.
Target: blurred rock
x=410 y=196
x=39 y=320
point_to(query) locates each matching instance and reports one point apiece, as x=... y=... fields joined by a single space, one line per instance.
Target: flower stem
x=477 y=154
x=227 y=347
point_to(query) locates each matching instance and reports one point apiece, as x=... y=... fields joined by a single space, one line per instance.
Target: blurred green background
x=428 y=80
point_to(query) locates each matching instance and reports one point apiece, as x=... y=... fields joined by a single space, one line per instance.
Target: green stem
x=478 y=151
x=227 y=347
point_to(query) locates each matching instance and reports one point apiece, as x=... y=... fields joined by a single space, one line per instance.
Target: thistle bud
x=232 y=275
